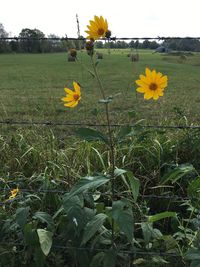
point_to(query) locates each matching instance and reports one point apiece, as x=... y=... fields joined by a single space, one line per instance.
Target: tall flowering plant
x=115 y=221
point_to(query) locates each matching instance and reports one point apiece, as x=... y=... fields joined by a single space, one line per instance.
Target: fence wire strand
x=128 y=252
x=160 y=38
x=71 y=124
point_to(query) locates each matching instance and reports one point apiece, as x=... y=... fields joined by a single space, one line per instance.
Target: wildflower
x=72 y=97
x=13 y=193
x=152 y=85
x=97 y=28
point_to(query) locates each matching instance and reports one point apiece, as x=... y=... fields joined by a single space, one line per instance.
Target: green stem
x=112 y=145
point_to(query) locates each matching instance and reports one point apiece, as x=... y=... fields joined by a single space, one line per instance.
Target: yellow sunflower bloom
x=97 y=28
x=152 y=85
x=13 y=193
x=72 y=97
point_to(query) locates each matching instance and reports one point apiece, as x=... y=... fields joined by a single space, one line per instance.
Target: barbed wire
x=102 y=39
x=71 y=124
x=107 y=194
x=128 y=252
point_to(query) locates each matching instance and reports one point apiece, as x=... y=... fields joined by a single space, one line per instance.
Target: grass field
x=45 y=163
x=32 y=86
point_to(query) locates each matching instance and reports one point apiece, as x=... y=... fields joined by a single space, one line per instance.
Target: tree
x=4 y=45
x=31 y=41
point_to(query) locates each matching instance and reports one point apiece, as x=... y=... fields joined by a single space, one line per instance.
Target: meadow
x=32 y=86
x=157 y=170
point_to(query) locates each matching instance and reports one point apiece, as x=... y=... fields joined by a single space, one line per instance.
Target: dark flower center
x=153 y=86
x=100 y=31
x=76 y=97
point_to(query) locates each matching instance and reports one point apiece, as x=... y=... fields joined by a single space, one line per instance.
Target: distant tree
x=4 y=45
x=185 y=44
x=146 y=44
x=154 y=45
x=132 y=44
x=31 y=42
x=99 y=44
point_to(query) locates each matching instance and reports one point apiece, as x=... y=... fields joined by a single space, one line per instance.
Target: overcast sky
x=126 y=18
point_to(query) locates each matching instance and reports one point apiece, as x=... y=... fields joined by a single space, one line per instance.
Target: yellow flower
x=72 y=97
x=152 y=85
x=97 y=28
x=13 y=193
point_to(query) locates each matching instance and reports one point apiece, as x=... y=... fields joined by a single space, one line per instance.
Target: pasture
x=32 y=86
x=153 y=210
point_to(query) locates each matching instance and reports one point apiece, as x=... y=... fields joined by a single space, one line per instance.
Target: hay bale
x=134 y=57
x=71 y=59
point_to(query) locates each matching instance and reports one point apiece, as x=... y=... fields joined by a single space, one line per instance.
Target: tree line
x=30 y=41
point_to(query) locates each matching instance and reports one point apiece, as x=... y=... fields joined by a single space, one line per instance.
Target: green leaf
x=177 y=173
x=105 y=101
x=87 y=183
x=91 y=73
x=110 y=259
x=119 y=172
x=22 y=215
x=134 y=185
x=132 y=113
x=193 y=191
x=45 y=239
x=97 y=260
x=124 y=132
x=44 y=218
x=123 y=217
x=97 y=62
x=149 y=232
x=160 y=216
x=30 y=235
x=39 y=257
x=89 y=134
x=92 y=227
x=193 y=254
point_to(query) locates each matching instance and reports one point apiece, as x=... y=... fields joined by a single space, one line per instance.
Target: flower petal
x=77 y=88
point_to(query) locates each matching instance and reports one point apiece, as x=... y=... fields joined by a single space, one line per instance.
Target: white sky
x=126 y=18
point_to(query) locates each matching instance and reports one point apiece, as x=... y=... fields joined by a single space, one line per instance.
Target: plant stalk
x=111 y=141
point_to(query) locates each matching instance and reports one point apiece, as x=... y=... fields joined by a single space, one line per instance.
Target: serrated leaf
x=160 y=216
x=45 y=239
x=90 y=134
x=92 y=227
